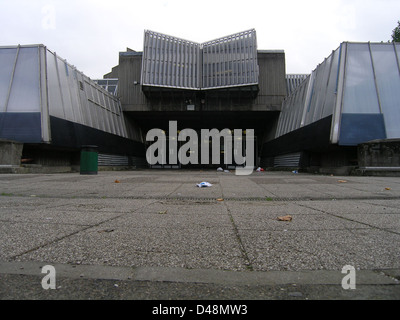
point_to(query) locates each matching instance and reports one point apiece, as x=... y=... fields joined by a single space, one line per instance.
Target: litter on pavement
x=204 y=185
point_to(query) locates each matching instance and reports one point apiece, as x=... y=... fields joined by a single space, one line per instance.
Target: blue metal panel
x=357 y=128
x=21 y=126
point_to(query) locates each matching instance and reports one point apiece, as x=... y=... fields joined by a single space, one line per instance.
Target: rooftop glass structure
x=177 y=63
x=358 y=85
x=37 y=87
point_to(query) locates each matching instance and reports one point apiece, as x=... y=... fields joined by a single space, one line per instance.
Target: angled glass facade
x=230 y=61
x=358 y=85
x=170 y=62
x=36 y=84
x=177 y=63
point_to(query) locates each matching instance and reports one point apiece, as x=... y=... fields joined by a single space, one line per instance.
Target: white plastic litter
x=226 y=171
x=204 y=184
x=220 y=169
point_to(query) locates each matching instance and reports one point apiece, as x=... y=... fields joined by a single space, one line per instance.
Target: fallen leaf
x=162 y=212
x=342 y=181
x=220 y=199
x=117 y=181
x=285 y=218
x=388 y=188
x=106 y=230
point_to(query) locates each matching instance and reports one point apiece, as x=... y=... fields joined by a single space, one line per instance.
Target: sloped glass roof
x=359 y=86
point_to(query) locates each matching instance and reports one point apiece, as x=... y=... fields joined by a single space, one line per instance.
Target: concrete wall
x=267 y=97
x=129 y=77
x=379 y=153
x=272 y=80
x=10 y=152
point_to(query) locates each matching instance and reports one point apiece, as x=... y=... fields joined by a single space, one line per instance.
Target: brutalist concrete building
x=49 y=110
x=223 y=83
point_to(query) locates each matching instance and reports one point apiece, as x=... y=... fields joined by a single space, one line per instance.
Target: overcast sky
x=90 y=33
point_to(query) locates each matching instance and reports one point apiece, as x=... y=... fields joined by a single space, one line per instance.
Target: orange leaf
x=285 y=218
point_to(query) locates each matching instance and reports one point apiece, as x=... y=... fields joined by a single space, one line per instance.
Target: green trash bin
x=89 y=160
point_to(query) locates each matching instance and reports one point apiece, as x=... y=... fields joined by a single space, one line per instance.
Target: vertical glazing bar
x=164 y=62
x=153 y=59
x=214 y=66
x=225 y=63
x=156 y=58
x=191 y=75
x=43 y=95
x=373 y=70
x=186 y=65
x=217 y=64
x=199 y=67
x=146 y=60
x=253 y=62
x=244 y=66
x=168 y=61
x=59 y=85
x=237 y=61
x=327 y=83
x=150 y=58
x=240 y=59
x=203 y=67
x=231 y=63
x=174 y=61
x=397 y=56
x=180 y=61
x=341 y=79
x=160 y=59
x=11 y=79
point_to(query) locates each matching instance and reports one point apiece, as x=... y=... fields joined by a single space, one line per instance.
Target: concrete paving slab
x=321 y=249
x=160 y=223
x=16 y=238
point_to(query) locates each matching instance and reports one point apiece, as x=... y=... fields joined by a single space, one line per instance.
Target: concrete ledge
x=378 y=171
x=161 y=274
x=26 y=169
x=379 y=153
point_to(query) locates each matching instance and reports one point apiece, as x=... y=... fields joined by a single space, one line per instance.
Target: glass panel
x=94 y=115
x=111 y=114
x=309 y=111
x=24 y=96
x=55 y=103
x=102 y=82
x=111 y=89
x=68 y=109
x=7 y=58
x=316 y=96
x=322 y=90
x=330 y=98
x=360 y=94
x=388 y=82
x=84 y=102
x=73 y=85
x=112 y=82
x=107 y=117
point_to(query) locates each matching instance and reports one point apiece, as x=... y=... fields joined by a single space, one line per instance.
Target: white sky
x=90 y=33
